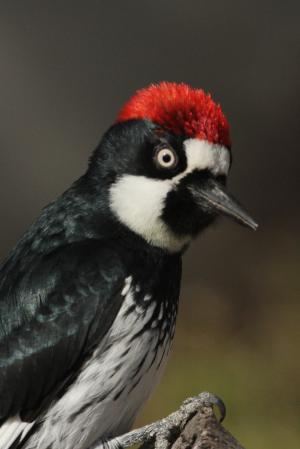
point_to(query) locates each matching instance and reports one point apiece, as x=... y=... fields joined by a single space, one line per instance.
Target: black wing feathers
x=60 y=310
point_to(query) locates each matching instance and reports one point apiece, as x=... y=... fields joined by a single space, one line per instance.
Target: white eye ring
x=165 y=158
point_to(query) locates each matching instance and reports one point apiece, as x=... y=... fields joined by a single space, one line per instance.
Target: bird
x=89 y=294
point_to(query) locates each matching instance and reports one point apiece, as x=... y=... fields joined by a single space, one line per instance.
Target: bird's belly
x=112 y=385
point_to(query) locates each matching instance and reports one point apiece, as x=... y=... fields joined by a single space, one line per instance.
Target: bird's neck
x=79 y=214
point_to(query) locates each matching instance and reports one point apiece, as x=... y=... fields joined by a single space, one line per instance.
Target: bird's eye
x=165 y=158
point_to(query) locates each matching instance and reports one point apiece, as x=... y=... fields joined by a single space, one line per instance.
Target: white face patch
x=203 y=155
x=138 y=201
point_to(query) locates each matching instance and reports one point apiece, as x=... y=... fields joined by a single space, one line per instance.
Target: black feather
x=74 y=297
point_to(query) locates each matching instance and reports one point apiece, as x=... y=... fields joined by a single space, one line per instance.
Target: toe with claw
x=165 y=431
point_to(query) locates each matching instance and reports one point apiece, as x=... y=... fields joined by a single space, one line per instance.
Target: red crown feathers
x=181 y=109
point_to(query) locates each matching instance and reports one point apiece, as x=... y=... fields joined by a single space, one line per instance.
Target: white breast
x=113 y=384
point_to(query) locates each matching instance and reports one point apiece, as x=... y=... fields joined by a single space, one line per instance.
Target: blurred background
x=68 y=66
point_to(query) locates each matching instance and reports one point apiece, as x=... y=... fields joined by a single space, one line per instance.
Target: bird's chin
x=192 y=227
x=184 y=216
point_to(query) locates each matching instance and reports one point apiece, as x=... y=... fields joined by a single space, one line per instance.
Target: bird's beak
x=213 y=196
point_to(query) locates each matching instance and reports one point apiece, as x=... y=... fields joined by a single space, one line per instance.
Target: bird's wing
x=53 y=317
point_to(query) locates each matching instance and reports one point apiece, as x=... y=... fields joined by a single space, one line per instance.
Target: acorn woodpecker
x=89 y=295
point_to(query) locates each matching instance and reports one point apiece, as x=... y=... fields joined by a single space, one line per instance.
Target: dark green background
x=67 y=67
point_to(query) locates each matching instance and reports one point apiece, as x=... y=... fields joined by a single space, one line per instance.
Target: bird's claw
x=205 y=399
x=213 y=400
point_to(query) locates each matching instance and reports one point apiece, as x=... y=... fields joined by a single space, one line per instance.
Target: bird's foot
x=165 y=431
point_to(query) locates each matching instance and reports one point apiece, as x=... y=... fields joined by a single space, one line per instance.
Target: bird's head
x=165 y=163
